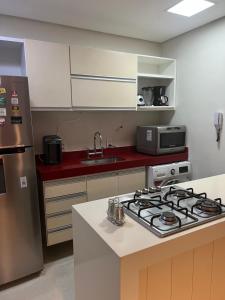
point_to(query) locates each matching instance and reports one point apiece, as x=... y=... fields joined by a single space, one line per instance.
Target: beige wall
x=77 y=128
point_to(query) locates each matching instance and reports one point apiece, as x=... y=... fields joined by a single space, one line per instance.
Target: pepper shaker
x=119 y=216
x=111 y=206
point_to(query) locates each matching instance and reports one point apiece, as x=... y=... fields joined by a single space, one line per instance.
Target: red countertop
x=72 y=166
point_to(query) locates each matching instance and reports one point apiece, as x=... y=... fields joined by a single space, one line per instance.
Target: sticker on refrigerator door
x=14 y=101
x=148 y=135
x=16 y=120
x=2 y=122
x=2 y=91
x=14 y=93
x=23 y=182
x=2 y=112
x=15 y=108
x=2 y=101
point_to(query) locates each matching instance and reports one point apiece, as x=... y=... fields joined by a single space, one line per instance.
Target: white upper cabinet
x=103 y=79
x=99 y=94
x=103 y=63
x=48 y=71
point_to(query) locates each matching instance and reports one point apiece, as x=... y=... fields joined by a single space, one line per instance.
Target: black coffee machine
x=52 y=149
x=159 y=95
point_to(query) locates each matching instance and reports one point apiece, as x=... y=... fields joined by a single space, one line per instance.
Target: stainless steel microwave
x=156 y=140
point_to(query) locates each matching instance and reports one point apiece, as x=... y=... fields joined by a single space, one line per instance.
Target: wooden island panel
x=198 y=274
x=202 y=275
x=159 y=281
x=181 y=276
x=218 y=270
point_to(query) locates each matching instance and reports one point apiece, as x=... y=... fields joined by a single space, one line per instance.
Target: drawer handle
x=60 y=213
x=63 y=182
x=102 y=176
x=61 y=228
x=103 y=78
x=66 y=197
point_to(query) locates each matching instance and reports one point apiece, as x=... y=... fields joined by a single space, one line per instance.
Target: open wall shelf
x=12 y=61
x=156 y=71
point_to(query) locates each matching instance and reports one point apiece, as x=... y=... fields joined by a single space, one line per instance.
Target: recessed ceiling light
x=189 y=8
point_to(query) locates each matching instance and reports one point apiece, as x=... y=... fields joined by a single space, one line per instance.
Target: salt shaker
x=111 y=206
x=119 y=216
x=110 y=211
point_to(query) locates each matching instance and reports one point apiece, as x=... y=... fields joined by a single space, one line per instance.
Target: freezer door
x=20 y=232
x=15 y=116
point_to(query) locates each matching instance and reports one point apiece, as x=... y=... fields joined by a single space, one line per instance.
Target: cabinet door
x=131 y=180
x=98 y=62
x=101 y=186
x=94 y=93
x=48 y=71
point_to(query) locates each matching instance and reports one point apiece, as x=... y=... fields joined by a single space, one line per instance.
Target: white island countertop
x=133 y=237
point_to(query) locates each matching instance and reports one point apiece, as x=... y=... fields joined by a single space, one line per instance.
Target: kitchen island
x=131 y=263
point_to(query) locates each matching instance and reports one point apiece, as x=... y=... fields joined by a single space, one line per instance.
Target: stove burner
x=208 y=206
x=143 y=202
x=168 y=218
x=180 y=193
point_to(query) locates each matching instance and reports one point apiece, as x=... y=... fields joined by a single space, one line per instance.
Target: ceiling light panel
x=189 y=8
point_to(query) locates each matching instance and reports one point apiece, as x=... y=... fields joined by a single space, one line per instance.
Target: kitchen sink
x=101 y=161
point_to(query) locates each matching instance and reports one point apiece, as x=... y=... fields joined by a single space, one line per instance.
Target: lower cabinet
x=60 y=195
x=101 y=186
x=131 y=180
x=60 y=235
x=116 y=183
x=62 y=219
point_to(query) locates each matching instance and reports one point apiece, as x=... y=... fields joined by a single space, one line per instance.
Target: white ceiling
x=144 y=19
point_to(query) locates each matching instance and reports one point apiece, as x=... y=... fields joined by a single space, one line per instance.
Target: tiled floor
x=56 y=282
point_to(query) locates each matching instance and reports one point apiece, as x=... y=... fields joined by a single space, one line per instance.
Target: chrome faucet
x=98 y=134
x=96 y=151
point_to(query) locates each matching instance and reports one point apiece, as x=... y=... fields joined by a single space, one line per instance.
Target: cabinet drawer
x=99 y=62
x=59 y=236
x=64 y=187
x=60 y=204
x=93 y=93
x=131 y=180
x=59 y=220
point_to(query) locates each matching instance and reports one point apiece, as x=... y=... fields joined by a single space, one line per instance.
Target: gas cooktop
x=168 y=210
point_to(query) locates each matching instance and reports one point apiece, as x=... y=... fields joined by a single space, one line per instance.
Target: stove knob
x=152 y=190
x=145 y=191
x=138 y=193
x=158 y=189
x=172 y=171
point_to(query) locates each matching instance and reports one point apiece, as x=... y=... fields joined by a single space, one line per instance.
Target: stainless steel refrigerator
x=20 y=231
